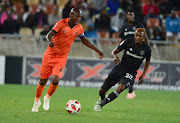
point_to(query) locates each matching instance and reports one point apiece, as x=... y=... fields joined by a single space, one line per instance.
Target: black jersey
x=133 y=55
x=128 y=31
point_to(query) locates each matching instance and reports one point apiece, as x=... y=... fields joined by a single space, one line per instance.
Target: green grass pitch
x=148 y=107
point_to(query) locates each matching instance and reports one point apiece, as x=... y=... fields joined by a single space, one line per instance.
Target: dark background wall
x=13 y=70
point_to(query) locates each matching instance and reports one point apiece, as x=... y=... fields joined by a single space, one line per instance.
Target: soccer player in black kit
x=124 y=73
x=127 y=32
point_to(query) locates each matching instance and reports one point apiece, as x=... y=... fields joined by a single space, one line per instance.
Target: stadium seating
x=31 y=2
x=106 y=45
x=61 y=3
x=24 y=31
x=115 y=35
x=152 y=22
x=37 y=31
x=103 y=34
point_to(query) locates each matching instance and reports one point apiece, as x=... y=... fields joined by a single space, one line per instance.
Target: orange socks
x=39 y=92
x=51 y=90
x=40 y=89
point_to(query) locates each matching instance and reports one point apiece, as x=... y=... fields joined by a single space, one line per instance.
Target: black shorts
x=118 y=75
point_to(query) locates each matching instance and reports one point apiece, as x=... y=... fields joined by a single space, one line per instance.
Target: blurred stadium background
x=24 y=24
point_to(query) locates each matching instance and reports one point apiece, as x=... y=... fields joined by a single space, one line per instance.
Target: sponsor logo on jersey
x=61 y=70
x=129 y=33
x=142 y=52
x=134 y=55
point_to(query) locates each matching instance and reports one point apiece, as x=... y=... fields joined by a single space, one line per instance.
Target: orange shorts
x=52 y=66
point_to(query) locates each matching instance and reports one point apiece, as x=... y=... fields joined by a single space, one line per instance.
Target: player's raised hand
x=116 y=60
x=101 y=55
x=51 y=44
x=141 y=78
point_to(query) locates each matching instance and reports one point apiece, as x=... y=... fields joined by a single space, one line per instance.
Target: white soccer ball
x=73 y=106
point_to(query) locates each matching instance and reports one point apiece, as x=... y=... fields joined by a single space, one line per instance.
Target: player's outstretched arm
x=88 y=44
x=141 y=78
x=49 y=37
x=121 y=40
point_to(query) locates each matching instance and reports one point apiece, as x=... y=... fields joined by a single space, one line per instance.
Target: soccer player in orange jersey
x=60 y=38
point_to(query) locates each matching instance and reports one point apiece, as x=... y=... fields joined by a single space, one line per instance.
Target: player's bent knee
x=120 y=88
x=55 y=79
x=43 y=81
x=55 y=82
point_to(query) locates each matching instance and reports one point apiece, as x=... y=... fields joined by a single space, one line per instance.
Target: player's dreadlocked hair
x=141 y=30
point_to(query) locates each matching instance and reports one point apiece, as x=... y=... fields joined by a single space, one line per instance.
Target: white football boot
x=97 y=106
x=46 y=103
x=36 y=106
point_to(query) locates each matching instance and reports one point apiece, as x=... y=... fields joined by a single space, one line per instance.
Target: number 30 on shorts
x=128 y=76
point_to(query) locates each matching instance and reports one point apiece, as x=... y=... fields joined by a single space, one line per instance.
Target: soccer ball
x=73 y=106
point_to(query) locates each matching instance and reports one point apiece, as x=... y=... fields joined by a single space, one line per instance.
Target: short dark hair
x=130 y=10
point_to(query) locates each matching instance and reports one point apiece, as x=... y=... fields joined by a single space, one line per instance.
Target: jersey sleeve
x=148 y=54
x=81 y=34
x=123 y=45
x=57 y=27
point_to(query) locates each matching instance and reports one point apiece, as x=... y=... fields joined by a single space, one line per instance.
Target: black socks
x=110 y=98
x=102 y=96
x=130 y=89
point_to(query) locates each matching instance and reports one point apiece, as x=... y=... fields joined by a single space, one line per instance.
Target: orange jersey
x=64 y=38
